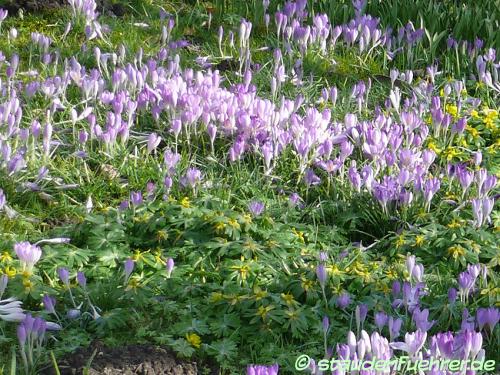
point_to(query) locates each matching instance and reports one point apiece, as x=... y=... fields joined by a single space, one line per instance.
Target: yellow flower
x=263 y=311
x=5 y=257
x=455 y=223
x=474 y=114
x=456 y=251
x=243 y=270
x=216 y=297
x=9 y=271
x=259 y=293
x=419 y=240
x=334 y=270
x=299 y=235
x=307 y=284
x=450 y=153
x=220 y=227
x=432 y=146
x=288 y=298
x=472 y=131
x=138 y=255
x=27 y=284
x=133 y=284
x=247 y=218
x=452 y=109
x=292 y=314
x=400 y=241
x=161 y=235
x=185 y=202
x=391 y=274
x=233 y=223
x=194 y=340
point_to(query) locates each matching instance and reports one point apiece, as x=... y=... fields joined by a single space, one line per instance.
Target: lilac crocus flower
x=325 y=324
x=153 y=142
x=394 y=327
x=81 y=279
x=129 y=265
x=262 y=370
x=3 y=200
x=381 y=320
x=49 y=304
x=256 y=208
x=28 y=254
x=413 y=343
x=170 y=266
x=321 y=274
x=421 y=319
x=192 y=177
x=452 y=296
x=63 y=274
x=344 y=300
x=11 y=311
x=488 y=317
x=136 y=198
x=310 y=178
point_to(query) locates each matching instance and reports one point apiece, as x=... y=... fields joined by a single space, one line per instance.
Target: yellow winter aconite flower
x=432 y=146
x=334 y=270
x=288 y=298
x=419 y=240
x=400 y=241
x=216 y=297
x=474 y=114
x=391 y=274
x=472 y=131
x=451 y=152
x=263 y=311
x=10 y=271
x=452 y=109
x=233 y=223
x=307 y=284
x=220 y=227
x=299 y=235
x=161 y=235
x=185 y=202
x=27 y=284
x=456 y=251
x=247 y=218
x=194 y=340
x=455 y=223
x=259 y=293
x=5 y=257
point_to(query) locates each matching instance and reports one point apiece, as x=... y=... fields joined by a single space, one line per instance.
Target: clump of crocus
x=262 y=369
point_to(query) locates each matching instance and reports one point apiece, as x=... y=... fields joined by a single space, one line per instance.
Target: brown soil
x=128 y=360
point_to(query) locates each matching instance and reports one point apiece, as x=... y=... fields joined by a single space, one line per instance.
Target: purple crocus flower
x=81 y=279
x=136 y=198
x=452 y=295
x=49 y=304
x=325 y=324
x=381 y=320
x=310 y=178
x=170 y=266
x=413 y=343
x=487 y=317
x=3 y=200
x=256 y=208
x=129 y=265
x=420 y=317
x=28 y=254
x=21 y=334
x=262 y=370
x=321 y=274
x=153 y=142
x=343 y=300
x=63 y=275
x=192 y=177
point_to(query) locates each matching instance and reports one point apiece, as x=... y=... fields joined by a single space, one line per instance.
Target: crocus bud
x=128 y=267
x=81 y=279
x=170 y=267
x=64 y=276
